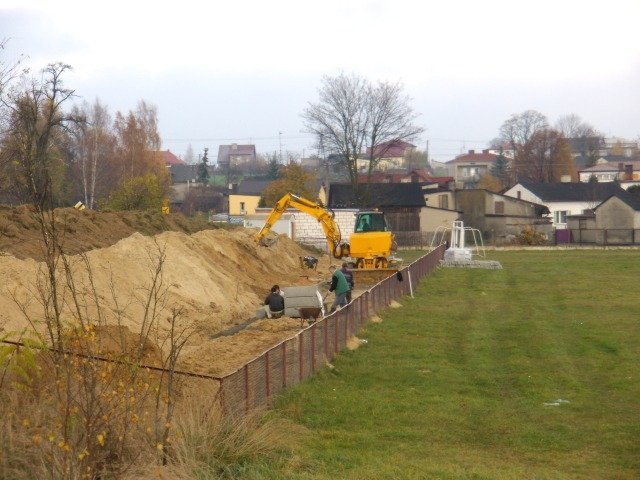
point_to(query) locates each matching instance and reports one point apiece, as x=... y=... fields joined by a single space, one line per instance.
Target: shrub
x=529 y=236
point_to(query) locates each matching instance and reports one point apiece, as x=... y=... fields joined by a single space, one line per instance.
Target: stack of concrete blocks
x=295 y=298
x=309 y=231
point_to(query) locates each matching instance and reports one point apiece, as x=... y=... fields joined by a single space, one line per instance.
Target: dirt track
x=216 y=278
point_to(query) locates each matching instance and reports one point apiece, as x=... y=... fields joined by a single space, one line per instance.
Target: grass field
x=527 y=372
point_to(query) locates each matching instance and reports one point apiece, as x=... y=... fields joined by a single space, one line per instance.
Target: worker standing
x=340 y=286
x=274 y=303
x=348 y=274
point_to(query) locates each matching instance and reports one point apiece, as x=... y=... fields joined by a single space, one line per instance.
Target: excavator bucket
x=269 y=240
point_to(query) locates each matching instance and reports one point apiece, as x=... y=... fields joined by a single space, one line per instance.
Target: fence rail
x=296 y=359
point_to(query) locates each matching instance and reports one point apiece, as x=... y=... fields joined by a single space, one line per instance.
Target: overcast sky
x=243 y=70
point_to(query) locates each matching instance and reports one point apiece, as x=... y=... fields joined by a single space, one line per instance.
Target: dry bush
x=208 y=445
x=529 y=236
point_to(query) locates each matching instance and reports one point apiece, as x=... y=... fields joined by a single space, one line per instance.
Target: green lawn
x=462 y=382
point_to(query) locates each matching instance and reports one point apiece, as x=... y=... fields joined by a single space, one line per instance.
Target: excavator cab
x=371 y=242
x=370 y=222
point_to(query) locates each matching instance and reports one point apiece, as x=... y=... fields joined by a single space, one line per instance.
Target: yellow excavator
x=370 y=245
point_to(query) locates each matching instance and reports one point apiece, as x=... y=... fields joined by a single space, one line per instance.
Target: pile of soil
x=212 y=280
x=85 y=230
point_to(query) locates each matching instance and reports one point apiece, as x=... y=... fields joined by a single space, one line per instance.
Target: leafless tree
x=587 y=140
x=517 y=131
x=91 y=148
x=354 y=116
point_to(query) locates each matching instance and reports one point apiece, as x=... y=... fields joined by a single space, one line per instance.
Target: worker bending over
x=340 y=286
x=274 y=303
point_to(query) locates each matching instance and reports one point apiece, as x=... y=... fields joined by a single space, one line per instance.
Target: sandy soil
x=214 y=278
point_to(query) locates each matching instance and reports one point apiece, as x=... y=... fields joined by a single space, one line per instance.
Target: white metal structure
x=457 y=249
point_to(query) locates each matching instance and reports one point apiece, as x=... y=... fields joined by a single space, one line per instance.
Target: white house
x=564 y=199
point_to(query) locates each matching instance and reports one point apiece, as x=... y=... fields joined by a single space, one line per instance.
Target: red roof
x=472 y=156
x=392 y=149
x=170 y=159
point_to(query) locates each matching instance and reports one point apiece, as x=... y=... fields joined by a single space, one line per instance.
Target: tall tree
x=294 y=180
x=586 y=139
x=30 y=149
x=273 y=167
x=189 y=157
x=203 y=168
x=90 y=149
x=517 y=131
x=545 y=157
x=500 y=169
x=353 y=116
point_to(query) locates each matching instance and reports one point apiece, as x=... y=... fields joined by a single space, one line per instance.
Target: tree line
x=56 y=153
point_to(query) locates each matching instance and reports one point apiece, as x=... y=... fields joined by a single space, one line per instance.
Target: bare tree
x=545 y=157
x=586 y=139
x=517 y=131
x=353 y=116
x=35 y=124
x=391 y=120
x=91 y=146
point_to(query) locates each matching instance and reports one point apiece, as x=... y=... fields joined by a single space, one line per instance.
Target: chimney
x=471 y=152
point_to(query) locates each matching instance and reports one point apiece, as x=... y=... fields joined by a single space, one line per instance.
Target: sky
x=243 y=71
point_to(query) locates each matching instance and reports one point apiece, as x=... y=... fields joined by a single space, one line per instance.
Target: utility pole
x=280 y=142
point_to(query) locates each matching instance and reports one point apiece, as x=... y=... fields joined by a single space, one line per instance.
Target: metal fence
x=609 y=236
x=297 y=358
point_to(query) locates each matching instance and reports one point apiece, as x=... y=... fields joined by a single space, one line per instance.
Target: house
x=169 y=159
x=389 y=155
x=615 y=221
x=244 y=200
x=234 y=154
x=467 y=169
x=498 y=216
x=417 y=175
x=612 y=168
x=563 y=199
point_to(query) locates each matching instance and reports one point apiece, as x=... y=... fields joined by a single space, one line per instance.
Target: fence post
x=337 y=335
x=325 y=329
x=246 y=388
x=266 y=376
x=284 y=364
x=313 y=348
x=301 y=359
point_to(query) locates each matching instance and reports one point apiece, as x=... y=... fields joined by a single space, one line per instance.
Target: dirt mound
x=214 y=279
x=85 y=230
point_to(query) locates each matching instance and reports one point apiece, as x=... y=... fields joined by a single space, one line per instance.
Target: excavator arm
x=316 y=210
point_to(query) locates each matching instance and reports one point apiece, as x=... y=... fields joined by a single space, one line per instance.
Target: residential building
x=564 y=199
x=234 y=154
x=500 y=217
x=388 y=155
x=612 y=168
x=170 y=159
x=615 y=221
x=246 y=197
x=467 y=169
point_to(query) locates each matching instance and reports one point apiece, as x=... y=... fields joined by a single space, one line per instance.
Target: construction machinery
x=370 y=246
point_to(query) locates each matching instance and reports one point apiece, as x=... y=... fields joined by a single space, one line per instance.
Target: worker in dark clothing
x=349 y=276
x=340 y=286
x=274 y=303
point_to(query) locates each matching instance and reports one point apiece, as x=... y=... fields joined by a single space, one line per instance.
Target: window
x=242 y=212
x=498 y=208
x=560 y=217
x=583 y=224
x=443 y=201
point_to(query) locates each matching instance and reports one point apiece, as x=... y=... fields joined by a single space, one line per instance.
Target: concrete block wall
x=302 y=227
x=308 y=230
